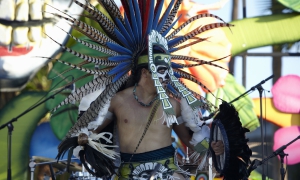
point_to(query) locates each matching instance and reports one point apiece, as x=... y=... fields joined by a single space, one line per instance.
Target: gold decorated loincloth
x=157 y=163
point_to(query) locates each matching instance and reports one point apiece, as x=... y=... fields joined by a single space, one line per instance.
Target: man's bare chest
x=138 y=115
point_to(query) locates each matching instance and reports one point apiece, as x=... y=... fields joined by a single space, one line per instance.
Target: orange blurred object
x=215 y=47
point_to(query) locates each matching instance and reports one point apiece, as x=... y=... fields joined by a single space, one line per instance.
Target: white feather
x=88 y=99
x=82 y=130
x=101 y=115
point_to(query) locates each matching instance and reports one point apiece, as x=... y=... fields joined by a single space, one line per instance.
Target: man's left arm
x=183 y=134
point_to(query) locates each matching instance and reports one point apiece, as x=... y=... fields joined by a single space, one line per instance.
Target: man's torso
x=132 y=119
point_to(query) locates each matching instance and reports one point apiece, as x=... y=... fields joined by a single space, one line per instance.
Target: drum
x=49 y=168
x=60 y=165
x=226 y=127
x=201 y=176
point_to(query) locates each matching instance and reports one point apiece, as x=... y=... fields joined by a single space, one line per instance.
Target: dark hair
x=137 y=72
x=136 y=75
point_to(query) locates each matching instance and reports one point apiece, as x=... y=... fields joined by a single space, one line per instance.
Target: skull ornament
x=162 y=63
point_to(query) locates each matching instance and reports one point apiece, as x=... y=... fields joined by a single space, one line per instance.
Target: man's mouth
x=165 y=83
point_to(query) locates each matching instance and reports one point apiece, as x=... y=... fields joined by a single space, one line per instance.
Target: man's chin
x=164 y=85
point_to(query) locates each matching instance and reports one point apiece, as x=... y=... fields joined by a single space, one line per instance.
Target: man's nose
x=167 y=76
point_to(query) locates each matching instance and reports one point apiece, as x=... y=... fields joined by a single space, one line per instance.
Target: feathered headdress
x=123 y=38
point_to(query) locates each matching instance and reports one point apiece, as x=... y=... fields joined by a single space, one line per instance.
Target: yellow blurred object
x=218 y=178
x=273 y=115
x=5 y=32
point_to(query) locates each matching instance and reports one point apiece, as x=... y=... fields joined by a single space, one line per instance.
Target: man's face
x=163 y=74
x=162 y=63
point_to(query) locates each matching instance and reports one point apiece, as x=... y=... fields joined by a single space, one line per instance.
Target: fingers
x=218 y=147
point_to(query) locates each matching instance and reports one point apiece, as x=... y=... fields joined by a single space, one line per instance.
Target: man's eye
x=161 y=69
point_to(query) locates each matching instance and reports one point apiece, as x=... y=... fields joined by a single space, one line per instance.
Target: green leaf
x=244 y=105
x=21 y=135
x=292 y=4
x=62 y=120
x=262 y=31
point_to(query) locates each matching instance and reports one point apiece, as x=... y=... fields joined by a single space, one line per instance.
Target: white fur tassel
x=191 y=116
x=96 y=145
x=102 y=147
x=169 y=119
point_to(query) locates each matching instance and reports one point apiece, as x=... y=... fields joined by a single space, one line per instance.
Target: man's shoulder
x=174 y=101
x=125 y=92
x=122 y=94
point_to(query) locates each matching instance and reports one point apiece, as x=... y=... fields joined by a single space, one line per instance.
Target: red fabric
x=16 y=51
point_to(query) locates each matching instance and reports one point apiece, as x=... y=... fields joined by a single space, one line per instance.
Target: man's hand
x=218 y=147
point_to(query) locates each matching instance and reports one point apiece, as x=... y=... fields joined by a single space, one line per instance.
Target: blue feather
x=118 y=48
x=155 y=21
x=175 y=65
x=170 y=27
x=174 y=41
x=150 y=17
x=138 y=17
x=173 y=49
x=124 y=31
x=133 y=21
x=120 y=74
x=120 y=67
x=177 y=75
x=121 y=38
x=166 y=15
x=120 y=58
x=170 y=87
x=128 y=27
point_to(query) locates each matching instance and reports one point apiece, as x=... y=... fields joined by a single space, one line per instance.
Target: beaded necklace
x=137 y=99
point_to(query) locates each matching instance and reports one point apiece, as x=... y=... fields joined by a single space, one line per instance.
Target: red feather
x=126 y=9
x=146 y=15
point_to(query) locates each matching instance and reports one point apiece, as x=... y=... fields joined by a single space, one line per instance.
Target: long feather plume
x=190 y=20
x=97 y=105
x=112 y=9
x=171 y=16
x=188 y=76
x=200 y=30
x=105 y=23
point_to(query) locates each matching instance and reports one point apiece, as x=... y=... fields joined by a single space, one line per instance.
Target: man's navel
x=125 y=121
